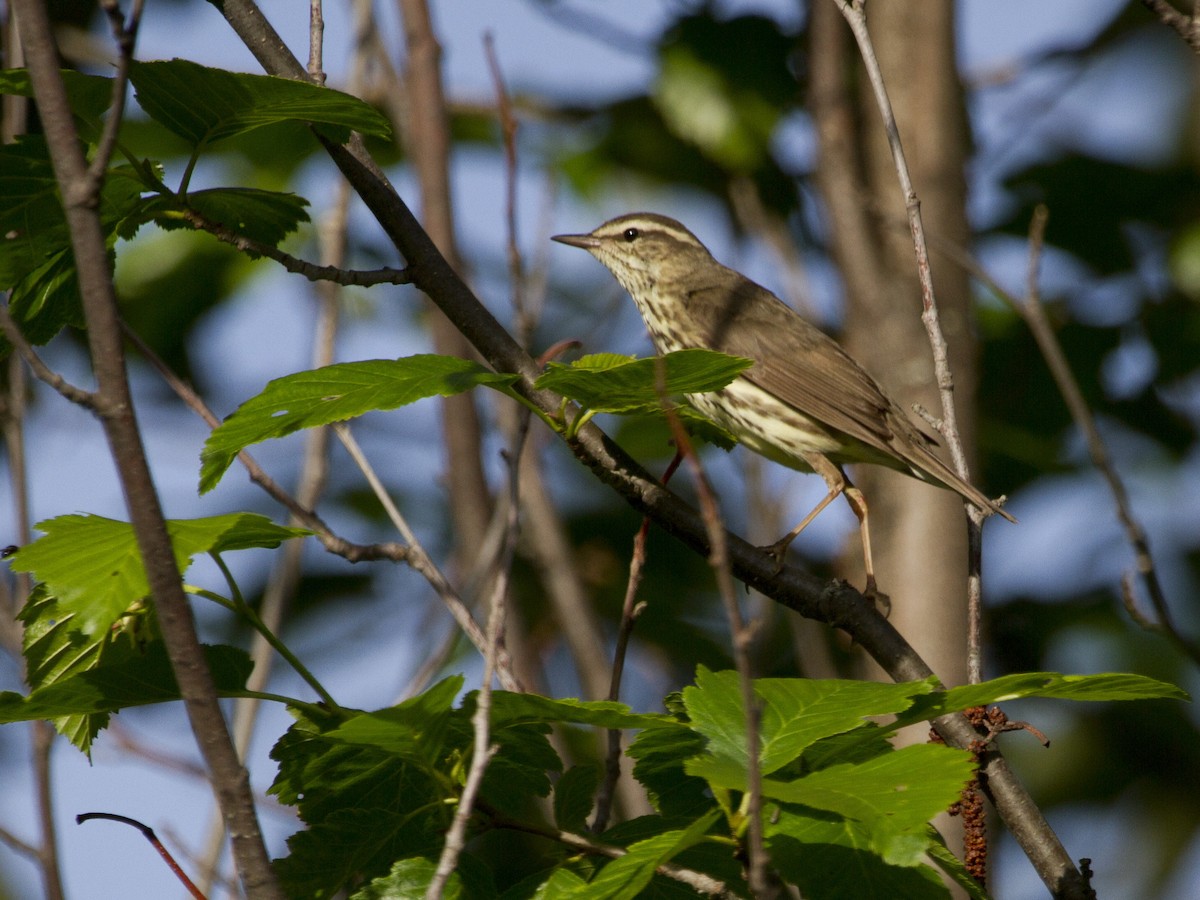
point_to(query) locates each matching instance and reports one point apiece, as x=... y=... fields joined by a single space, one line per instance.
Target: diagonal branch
x=836 y=604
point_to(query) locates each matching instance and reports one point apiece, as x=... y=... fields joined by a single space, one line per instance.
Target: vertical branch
x=483 y=750
x=114 y=405
x=854 y=13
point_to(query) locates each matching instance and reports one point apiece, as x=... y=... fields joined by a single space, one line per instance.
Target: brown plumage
x=805 y=402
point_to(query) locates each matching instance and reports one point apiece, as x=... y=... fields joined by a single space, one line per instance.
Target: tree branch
x=80 y=195
x=835 y=603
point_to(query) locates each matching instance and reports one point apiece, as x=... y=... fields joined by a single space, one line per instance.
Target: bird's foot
x=881 y=600
x=778 y=551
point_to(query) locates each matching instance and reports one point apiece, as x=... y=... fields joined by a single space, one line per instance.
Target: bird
x=804 y=403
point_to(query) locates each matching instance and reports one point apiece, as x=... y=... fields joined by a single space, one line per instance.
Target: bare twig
x=631 y=610
x=125 y=34
x=423 y=563
x=336 y=274
x=316 y=42
x=1034 y=315
x=148 y=834
x=742 y=636
x=483 y=750
x=854 y=13
x=1188 y=27
x=41 y=371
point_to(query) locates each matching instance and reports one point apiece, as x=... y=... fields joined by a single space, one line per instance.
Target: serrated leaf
x=893 y=796
x=263 y=216
x=610 y=383
x=334 y=394
x=364 y=808
x=136 y=680
x=660 y=754
x=413 y=728
x=574 y=796
x=93 y=566
x=624 y=878
x=829 y=857
x=409 y=880
x=55 y=650
x=798 y=712
x=204 y=105
x=1095 y=688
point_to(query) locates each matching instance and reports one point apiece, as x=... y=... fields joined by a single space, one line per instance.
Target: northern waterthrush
x=804 y=403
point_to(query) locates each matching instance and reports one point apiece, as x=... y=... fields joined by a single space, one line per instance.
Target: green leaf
x=953 y=867
x=624 y=878
x=93 y=566
x=660 y=755
x=55 y=650
x=414 y=728
x=607 y=382
x=334 y=394
x=409 y=880
x=264 y=216
x=574 y=796
x=205 y=105
x=88 y=95
x=798 y=712
x=1096 y=688
x=828 y=857
x=136 y=680
x=364 y=808
x=893 y=796
x=513 y=708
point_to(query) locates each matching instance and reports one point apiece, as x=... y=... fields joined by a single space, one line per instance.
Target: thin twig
x=148 y=834
x=1188 y=27
x=423 y=563
x=316 y=42
x=631 y=610
x=523 y=325
x=125 y=34
x=483 y=749
x=1032 y=312
x=41 y=371
x=311 y=271
x=948 y=425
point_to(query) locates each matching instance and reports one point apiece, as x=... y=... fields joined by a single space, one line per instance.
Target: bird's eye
x=631 y=234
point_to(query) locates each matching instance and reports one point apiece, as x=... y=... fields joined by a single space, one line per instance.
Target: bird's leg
x=838 y=483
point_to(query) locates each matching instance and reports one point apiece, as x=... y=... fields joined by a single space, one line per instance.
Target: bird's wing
x=798 y=363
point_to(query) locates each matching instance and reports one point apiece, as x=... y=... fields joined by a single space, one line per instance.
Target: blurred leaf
x=334 y=394
x=206 y=105
x=574 y=796
x=1093 y=201
x=88 y=95
x=723 y=86
x=93 y=567
x=409 y=880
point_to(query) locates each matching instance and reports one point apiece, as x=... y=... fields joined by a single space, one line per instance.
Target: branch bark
x=115 y=408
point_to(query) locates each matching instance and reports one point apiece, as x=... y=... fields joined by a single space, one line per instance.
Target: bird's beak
x=586 y=241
